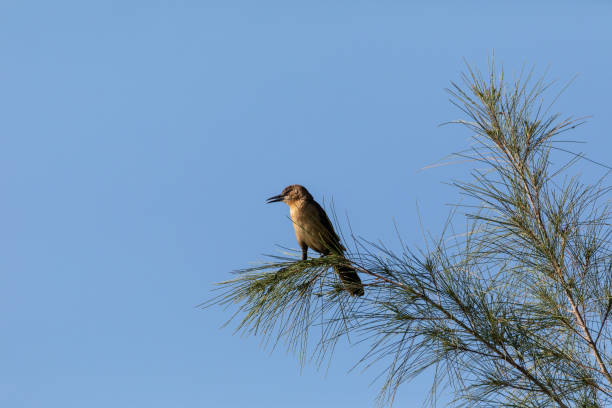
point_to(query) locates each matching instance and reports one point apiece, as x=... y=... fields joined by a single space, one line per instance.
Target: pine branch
x=514 y=312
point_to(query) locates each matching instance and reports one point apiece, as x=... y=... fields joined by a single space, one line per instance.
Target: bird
x=314 y=230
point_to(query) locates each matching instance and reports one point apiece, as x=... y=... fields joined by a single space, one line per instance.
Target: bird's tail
x=350 y=280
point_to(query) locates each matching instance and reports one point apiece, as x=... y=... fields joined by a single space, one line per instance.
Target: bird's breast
x=308 y=227
x=296 y=216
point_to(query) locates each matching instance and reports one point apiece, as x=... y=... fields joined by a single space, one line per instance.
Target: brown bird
x=313 y=229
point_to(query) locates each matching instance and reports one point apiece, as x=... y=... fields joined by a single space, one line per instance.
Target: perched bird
x=313 y=229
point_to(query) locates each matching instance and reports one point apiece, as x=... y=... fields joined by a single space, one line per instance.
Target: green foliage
x=515 y=312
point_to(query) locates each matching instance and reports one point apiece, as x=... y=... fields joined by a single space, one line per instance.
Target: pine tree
x=514 y=312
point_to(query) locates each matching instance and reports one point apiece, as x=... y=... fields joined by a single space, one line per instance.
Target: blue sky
x=139 y=140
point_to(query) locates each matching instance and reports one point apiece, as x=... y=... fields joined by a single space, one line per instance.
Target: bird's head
x=291 y=194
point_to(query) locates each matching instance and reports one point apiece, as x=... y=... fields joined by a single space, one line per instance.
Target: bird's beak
x=275 y=199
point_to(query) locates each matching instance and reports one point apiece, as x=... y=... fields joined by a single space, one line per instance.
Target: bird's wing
x=331 y=236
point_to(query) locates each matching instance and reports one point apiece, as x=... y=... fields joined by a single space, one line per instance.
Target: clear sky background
x=139 y=140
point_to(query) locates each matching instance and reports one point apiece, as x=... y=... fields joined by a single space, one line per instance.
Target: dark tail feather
x=350 y=280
